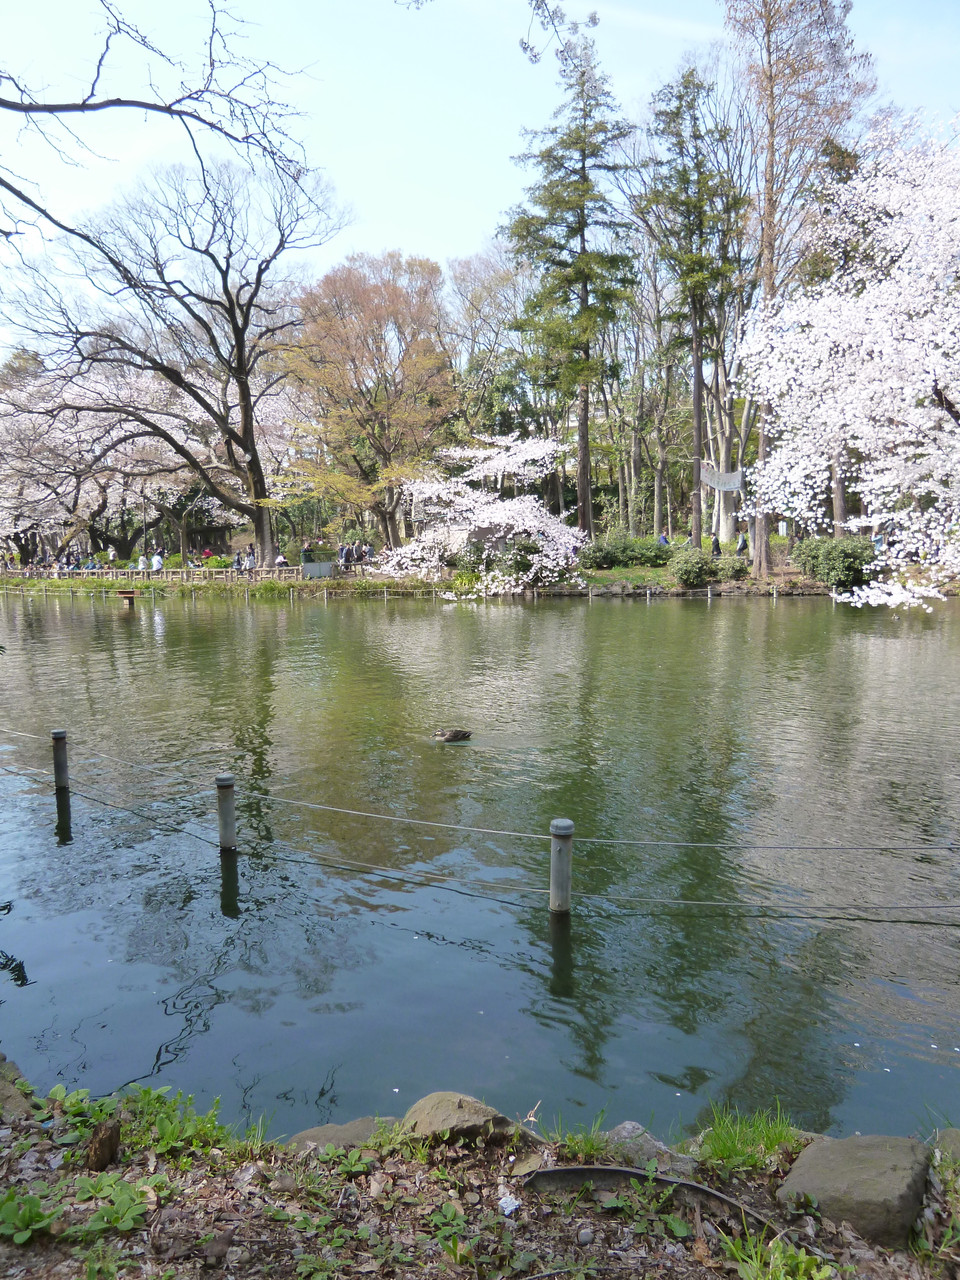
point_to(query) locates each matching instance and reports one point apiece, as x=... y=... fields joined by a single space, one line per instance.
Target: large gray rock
x=876 y=1184
x=353 y=1134
x=12 y=1101
x=460 y=1116
x=948 y=1142
x=636 y=1146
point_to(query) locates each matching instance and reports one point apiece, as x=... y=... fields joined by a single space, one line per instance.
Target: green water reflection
x=743 y=777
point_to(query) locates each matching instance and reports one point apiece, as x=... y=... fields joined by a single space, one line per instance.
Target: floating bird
x=452 y=735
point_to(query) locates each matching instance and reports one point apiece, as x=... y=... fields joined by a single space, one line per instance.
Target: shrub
x=469 y=559
x=174 y=561
x=730 y=568
x=692 y=567
x=519 y=558
x=619 y=549
x=650 y=552
x=839 y=562
x=464 y=582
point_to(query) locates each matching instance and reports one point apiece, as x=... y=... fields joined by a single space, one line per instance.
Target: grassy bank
x=174 y=1194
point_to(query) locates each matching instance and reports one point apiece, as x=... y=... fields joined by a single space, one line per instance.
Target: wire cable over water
x=627 y=905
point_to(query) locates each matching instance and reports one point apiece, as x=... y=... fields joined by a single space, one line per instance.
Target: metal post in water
x=291 y=595
x=561 y=863
x=63 y=828
x=384 y=594
x=709 y=591
x=61 y=775
x=229 y=884
x=648 y=595
x=324 y=595
x=774 y=593
x=227 y=811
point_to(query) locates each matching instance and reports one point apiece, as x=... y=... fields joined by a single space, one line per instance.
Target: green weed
x=585 y=1145
x=171 y=1125
x=645 y=1204
x=81 y=1113
x=734 y=1143
x=23 y=1216
x=756 y=1259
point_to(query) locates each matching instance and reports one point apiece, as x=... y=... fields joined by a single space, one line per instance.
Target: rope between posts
x=445 y=883
x=163 y=772
x=419 y=822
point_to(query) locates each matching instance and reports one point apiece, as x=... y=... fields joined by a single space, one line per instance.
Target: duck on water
x=451 y=735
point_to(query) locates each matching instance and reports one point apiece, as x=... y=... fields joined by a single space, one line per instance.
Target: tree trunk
x=839 y=498
x=696 y=515
x=584 y=495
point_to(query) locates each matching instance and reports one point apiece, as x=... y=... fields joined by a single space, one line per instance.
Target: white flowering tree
x=168 y=315
x=515 y=542
x=864 y=366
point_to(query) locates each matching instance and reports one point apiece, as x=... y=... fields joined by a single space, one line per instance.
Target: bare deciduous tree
x=178 y=319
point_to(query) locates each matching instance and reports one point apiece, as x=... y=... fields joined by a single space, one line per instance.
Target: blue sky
x=415 y=113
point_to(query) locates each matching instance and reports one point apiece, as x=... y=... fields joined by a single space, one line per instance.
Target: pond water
x=766 y=883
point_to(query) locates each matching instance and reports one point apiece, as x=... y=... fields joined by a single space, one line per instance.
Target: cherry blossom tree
x=168 y=314
x=864 y=365
x=516 y=543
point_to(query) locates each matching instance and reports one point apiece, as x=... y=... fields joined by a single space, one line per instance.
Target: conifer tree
x=693 y=211
x=569 y=233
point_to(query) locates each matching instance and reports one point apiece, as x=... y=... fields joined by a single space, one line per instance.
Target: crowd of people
x=351 y=555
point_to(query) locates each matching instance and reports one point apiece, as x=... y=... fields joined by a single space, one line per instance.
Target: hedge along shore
x=141 y=1186
x=373 y=586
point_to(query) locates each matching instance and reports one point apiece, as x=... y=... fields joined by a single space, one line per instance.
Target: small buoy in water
x=451 y=735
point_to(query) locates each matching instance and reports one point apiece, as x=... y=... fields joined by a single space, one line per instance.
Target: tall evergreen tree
x=693 y=210
x=569 y=234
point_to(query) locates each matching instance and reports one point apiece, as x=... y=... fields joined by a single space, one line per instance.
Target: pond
x=766 y=886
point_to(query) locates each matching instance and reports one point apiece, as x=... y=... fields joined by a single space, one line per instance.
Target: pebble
x=585 y=1235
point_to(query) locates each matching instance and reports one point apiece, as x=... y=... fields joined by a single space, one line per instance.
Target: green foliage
x=218 y=562
x=447 y=1222
x=644 y=1203
x=583 y=1144
x=518 y=558
x=173 y=562
x=569 y=230
x=23 y=1216
x=323 y=552
x=731 y=568
x=465 y=583
x=692 y=567
x=619 y=549
x=472 y=558
x=123 y=1205
x=839 y=562
x=270 y=589
x=171 y=1125
x=777 y=1260
x=80 y=1112
x=734 y=1142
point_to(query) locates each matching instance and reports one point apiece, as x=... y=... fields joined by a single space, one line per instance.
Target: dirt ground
x=403 y=1210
